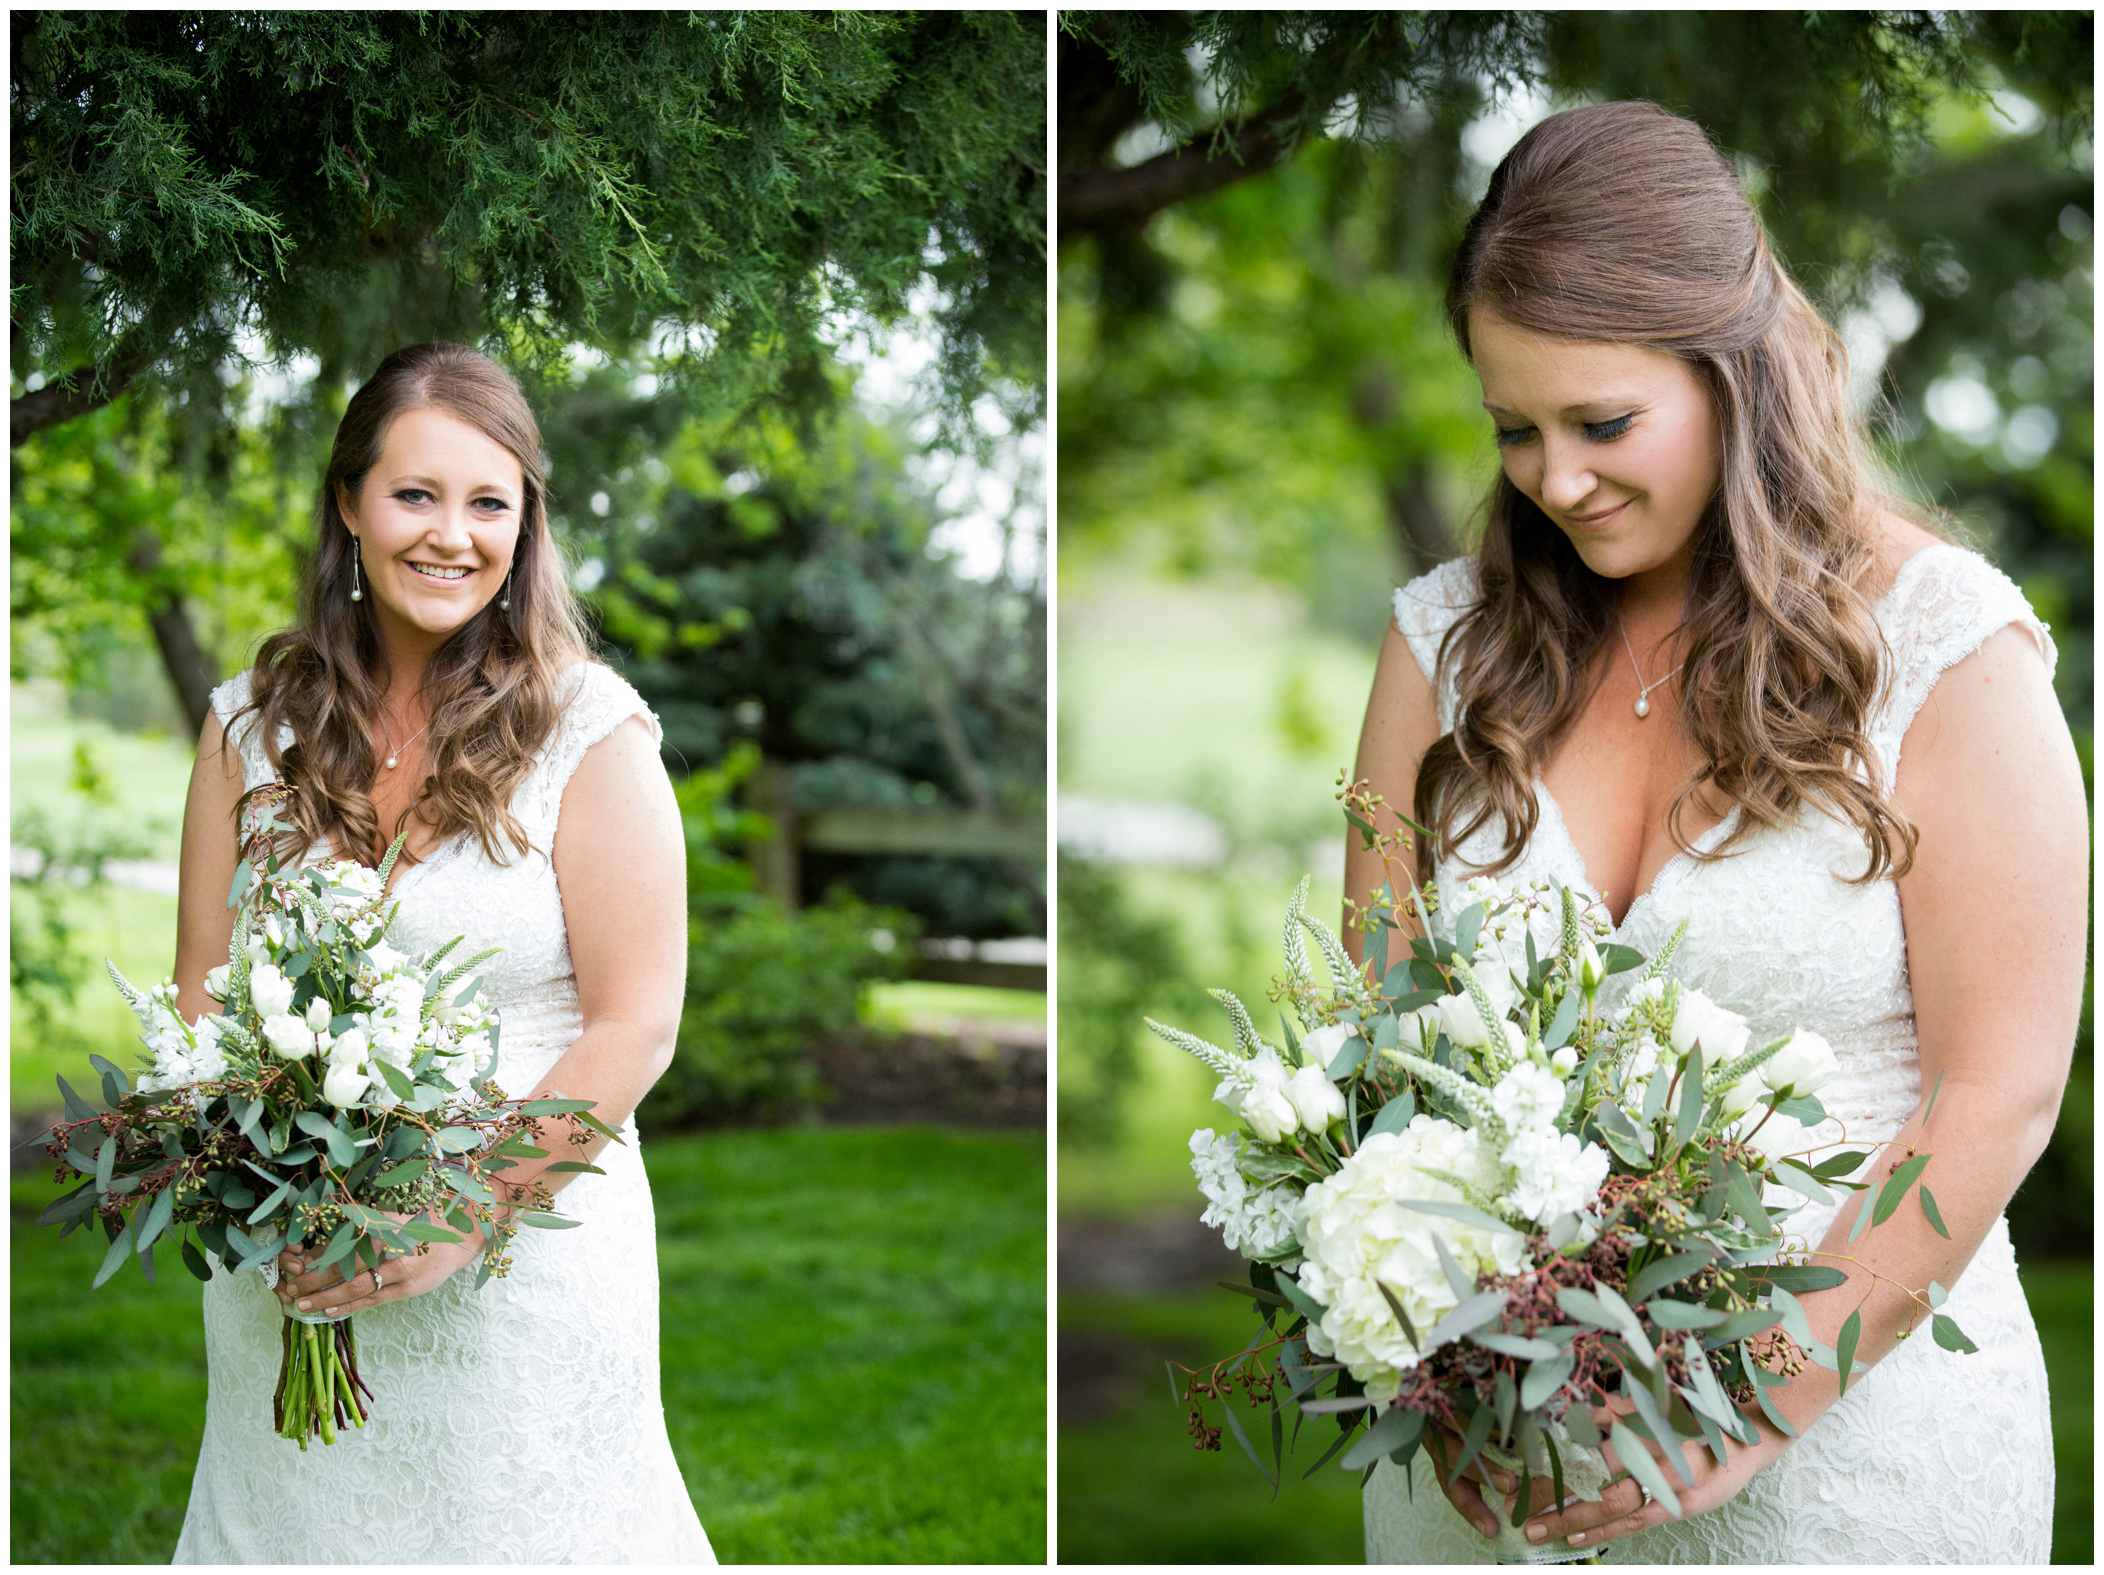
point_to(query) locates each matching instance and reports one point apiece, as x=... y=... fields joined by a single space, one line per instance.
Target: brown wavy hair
x=1620 y=223
x=492 y=685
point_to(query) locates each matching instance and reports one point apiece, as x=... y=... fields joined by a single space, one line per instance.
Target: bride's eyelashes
x=415 y=497
x=1595 y=431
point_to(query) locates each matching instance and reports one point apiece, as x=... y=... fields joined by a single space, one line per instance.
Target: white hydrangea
x=1356 y=1237
x=1528 y=1096
x=1554 y=1173
x=1254 y=1221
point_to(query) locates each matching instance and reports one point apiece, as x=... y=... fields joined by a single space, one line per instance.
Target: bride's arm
x=204 y=924
x=621 y=864
x=1994 y=909
x=1402 y=722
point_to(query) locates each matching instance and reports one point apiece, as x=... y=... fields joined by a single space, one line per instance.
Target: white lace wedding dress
x=517 y=1424
x=1932 y=1457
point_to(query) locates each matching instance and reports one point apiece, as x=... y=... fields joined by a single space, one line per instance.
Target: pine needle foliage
x=727 y=187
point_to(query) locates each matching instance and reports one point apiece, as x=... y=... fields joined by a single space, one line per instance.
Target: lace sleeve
x=600 y=700
x=227 y=701
x=1944 y=605
x=1425 y=610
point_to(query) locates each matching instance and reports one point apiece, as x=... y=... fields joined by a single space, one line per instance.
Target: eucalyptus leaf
x=1950 y=1336
x=1661 y=1272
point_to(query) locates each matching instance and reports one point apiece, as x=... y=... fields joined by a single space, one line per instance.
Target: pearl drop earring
x=504 y=602
x=357 y=593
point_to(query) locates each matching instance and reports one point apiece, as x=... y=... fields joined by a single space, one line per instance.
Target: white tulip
x=1800 y=1066
x=1591 y=971
x=1315 y=1098
x=348 y=1048
x=290 y=1037
x=270 y=991
x=344 y=1086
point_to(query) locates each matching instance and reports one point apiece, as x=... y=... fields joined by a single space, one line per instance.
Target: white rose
x=270 y=991
x=1321 y=1046
x=349 y=1048
x=1741 y=1097
x=1315 y=1098
x=1800 y=1066
x=1461 y=1022
x=217 y=981
x=1778 y=1134
x=1564 y=1061
x=1591 y=970
x=319 y=1015
x=290 y=1037
x=386 y=959
x=1264 y=1104
x=1698 y=1019
x=344 y=1086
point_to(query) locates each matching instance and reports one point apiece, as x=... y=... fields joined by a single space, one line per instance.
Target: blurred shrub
x=762 y=983
x=1115 y=965
x=45 y=968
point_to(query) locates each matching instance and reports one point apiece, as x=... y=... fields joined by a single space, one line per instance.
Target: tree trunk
x=75 y=393
x=1421 y=529
x=190 y=667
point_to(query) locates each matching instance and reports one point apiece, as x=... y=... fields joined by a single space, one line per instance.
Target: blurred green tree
x=725 y=192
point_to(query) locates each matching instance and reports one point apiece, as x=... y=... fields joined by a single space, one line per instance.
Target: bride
x=438 y=681
x=1702 y=667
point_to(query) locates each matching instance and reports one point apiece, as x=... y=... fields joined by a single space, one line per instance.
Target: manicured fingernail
x=305 y=1305
x=1536 y=1533
x=1575 y=1538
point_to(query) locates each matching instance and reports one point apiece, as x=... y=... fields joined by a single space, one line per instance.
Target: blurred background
x=1264 y=427
x=774 y=284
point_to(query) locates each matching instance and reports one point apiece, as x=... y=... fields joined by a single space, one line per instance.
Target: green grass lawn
x=136 y=929
x=852 y=1335
x=1133 y=1490
x=904 y=1003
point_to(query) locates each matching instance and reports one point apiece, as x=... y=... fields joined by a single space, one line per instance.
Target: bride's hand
x=331 y=1291
x=1625 y=1508
x=1465 y=1491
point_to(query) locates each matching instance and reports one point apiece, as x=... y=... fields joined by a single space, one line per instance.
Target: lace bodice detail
x=515 y=905
x=518 y=1423
x=1777 y=932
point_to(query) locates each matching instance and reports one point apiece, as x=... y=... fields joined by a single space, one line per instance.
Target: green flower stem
x=324 y=1396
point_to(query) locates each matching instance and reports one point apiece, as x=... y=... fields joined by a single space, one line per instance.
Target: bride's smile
x=437 y=521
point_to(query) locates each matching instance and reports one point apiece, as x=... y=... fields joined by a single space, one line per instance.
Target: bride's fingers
x=1461 y=1490
x=1579 y=1518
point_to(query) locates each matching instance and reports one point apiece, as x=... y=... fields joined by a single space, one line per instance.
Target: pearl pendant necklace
x=392 y=753
x=1643 y=693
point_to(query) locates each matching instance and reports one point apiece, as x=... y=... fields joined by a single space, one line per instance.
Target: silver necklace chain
x=1643 y=693
x=394 y=754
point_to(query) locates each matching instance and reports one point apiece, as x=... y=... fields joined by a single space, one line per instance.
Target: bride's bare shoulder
x=1893 y=540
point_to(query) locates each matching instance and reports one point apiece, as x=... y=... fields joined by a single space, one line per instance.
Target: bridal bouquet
x=342 y=1097
x=1474 y=1196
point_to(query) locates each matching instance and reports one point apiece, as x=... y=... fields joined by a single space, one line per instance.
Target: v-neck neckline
x=1552 y=812
x=1685 y=857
